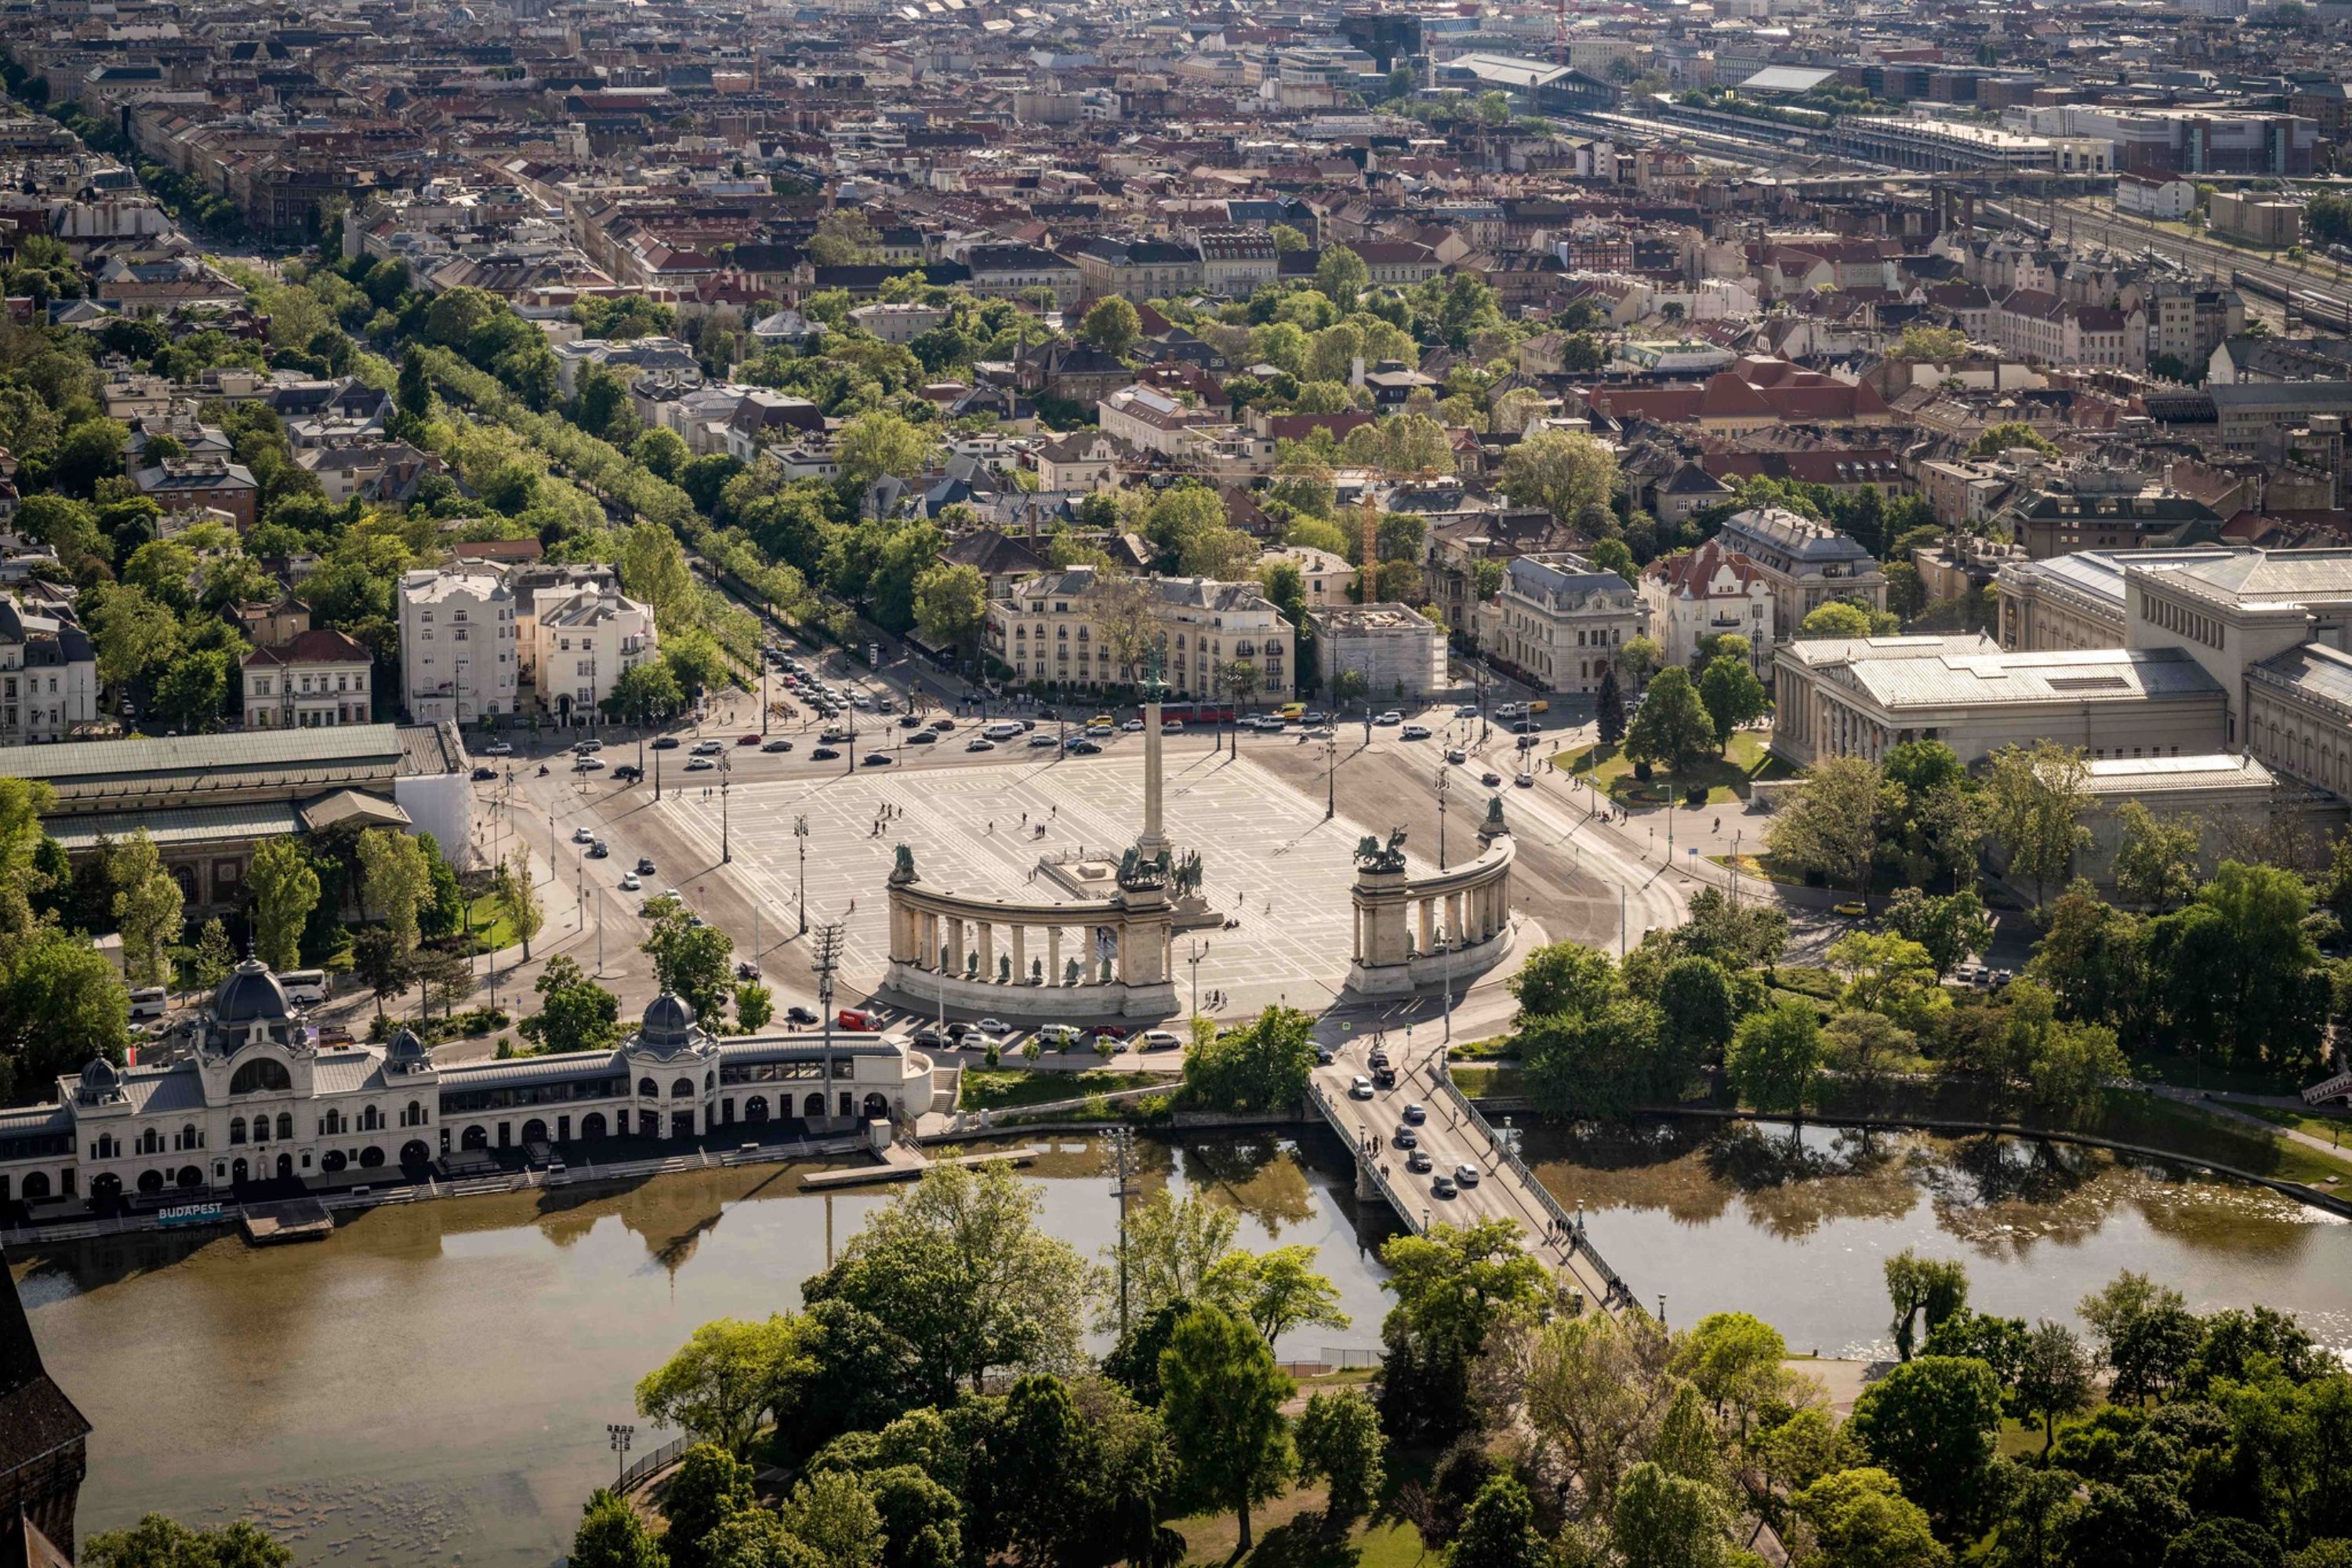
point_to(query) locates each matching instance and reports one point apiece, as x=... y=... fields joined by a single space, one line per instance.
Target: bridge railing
x=1367 y=1160
x=1551 y=1206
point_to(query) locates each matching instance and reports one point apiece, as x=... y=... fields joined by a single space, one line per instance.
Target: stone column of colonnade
x=938 y=942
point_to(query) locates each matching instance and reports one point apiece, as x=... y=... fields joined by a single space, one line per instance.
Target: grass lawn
x=2197 y=1134
x=992 y=1088
x=1287 y=1533
x=2335 y=1127
x=1479 y=1050
x=1494 y=1082
x=491 y=929
x=1761 y=866
x=1726 y=777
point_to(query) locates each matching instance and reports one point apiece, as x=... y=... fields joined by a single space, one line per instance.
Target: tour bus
x=1293 y=712
x=304 y=988
x=1004 y=729
x=147 y=1003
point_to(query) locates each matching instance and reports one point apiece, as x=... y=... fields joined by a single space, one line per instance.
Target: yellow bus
x=1293 y=711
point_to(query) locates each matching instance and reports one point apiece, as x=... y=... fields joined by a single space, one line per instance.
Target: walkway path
x=2217 y=1103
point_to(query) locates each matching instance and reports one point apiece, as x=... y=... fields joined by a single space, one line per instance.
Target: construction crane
x=1370 y=573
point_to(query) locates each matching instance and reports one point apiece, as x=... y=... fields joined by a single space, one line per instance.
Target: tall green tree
x=2054 y=1378
x=158 y=1540
x=708 y=1486
x=1222 y=1398
x=516 y=897
x=1672 y=727
x=959 y=1269
x=147 y=909
x=1775 y=1060
x=1172 y=1247
x=1112 y=326
x=1863 y=1519
x=1932 y=1423
x=1561 y=472
x=1259 y=1065
x=1830 y=824
x=2035 y=797
x=691 y=959
x=1609 y=710
x=2155 y=857
x=726 y=1380
x=1935 y=1288
x=395 y=882
x=1732 y=694
x=1499 y=1530
x=611 y=1535
x=1340 y=1443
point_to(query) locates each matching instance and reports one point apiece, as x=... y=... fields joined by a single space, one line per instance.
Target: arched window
x=237 y=1129
x=285 y=1126
x=682 y=1090
x=649 y=1090
x=331 y=1124
x=414 y=1116
x=709 y=1081
x=372 y=1119
x=261 y=1076
x=190 y=1137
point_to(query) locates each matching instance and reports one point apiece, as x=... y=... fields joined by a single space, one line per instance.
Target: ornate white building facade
x=257 y=1100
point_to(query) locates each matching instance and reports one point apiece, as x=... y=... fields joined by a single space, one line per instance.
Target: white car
x=1161 y=1040
x=498 y=748
x=993 y=1026
x=1133 y=726
x=629 y=882
x=706 y=748
x=1391 y=717
x=1361 y=1089
x=1061 y=1034
x=581 y=836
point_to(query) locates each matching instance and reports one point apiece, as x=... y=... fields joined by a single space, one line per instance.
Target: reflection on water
x=1795 y=1224
x=432 y=1382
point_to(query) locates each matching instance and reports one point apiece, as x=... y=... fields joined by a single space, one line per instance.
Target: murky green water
x=1797 y=1231
x=433 y=1384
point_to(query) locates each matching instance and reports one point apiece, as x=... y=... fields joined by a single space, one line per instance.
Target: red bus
x=1198 y=712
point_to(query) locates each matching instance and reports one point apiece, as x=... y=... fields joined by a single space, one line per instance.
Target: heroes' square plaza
x=1269 y=858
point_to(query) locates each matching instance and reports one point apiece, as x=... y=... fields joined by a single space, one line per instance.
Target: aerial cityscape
x=942 y=784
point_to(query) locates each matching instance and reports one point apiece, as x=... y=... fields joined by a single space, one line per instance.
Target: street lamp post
x=620 y=1436
x=725 y=845
x=800 y=893
x=1199 y=951
x=1330 y=777
x=1441 y=816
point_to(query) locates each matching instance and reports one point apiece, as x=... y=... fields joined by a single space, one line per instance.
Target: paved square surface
x=1270 y=858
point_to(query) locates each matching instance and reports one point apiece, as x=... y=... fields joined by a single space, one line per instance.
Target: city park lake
x=433 y=1384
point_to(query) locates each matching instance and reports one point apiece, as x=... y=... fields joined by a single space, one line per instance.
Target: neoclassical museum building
x=257 y=1099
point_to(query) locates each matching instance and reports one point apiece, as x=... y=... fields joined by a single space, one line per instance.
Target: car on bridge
x=1442 y=1188
x=1466 y=1175
x=1419 y=1162
x=1361 y=1089
x=1406 y=1137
